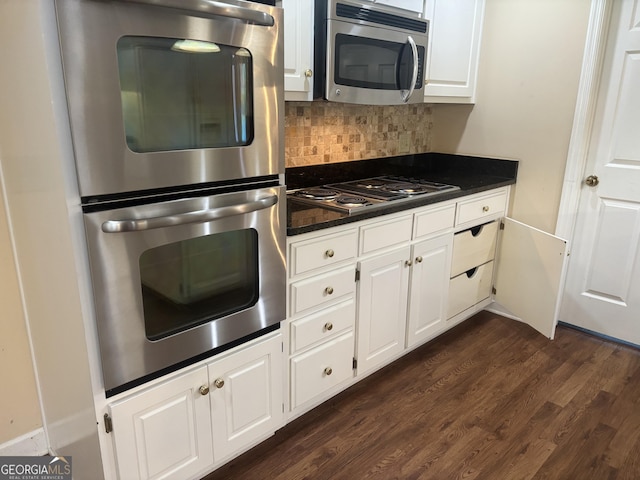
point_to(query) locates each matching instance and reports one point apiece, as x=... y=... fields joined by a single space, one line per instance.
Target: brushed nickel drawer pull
x=328 y=371
x=328 y=290
x=485 y=209
x=328 y=326
x=329 y=253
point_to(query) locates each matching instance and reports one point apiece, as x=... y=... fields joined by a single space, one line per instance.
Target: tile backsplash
x=323 y=132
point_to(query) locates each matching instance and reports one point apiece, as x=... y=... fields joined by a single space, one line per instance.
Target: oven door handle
x=199 y=216
x=406 y=94
x=213 y=8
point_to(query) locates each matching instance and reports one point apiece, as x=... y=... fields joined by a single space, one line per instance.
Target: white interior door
x=602 y=292
x=529 y=274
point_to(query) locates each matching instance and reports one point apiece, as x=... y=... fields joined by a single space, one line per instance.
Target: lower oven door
x=174 y=281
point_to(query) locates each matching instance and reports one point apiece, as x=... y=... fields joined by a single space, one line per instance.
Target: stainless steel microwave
x=368 y=55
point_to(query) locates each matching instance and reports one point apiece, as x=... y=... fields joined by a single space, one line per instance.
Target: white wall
x=530 y=60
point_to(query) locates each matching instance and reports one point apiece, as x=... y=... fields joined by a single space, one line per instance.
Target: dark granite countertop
x=471 y=174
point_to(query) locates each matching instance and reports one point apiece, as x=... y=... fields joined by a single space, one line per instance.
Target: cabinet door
x=382 y=307
x=298 y=49
x=246 y=397
x=530 y=275
x=454 y=44
x=429 y=284
x=164 y=432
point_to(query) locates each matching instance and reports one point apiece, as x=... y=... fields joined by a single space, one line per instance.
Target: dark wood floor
x=490 y=399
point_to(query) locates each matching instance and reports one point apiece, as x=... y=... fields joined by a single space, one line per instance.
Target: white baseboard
x=30 y=444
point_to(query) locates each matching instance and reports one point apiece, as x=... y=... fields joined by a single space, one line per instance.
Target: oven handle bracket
x=213 y=8
x=200 y=216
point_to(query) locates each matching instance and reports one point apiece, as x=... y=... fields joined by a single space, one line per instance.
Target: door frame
x=584 y=115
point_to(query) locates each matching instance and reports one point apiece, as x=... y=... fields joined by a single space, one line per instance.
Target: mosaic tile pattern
x=323 y=132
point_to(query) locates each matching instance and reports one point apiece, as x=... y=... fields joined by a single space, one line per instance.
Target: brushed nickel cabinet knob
x=204 y=390
x=328 y=290
x=418 y=259
x=485 y=208
x=328 y=371
x=219 y=383
x=329 y=253
x=592 y=180
x=308 y=73
x=328 y=326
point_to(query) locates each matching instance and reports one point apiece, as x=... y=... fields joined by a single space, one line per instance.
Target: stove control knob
x=329 y=253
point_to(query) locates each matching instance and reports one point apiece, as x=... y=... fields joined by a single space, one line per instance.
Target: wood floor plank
x=490 y=399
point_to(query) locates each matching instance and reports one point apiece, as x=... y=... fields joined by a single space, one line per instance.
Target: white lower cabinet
x=382 y=307
x=184 y=426
x=320 y=369
x=428 y=292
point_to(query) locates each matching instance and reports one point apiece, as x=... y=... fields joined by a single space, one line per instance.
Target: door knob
x=592 y=180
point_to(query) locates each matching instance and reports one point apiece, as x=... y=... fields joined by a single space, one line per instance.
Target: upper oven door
x=173 y=280
x=374 y=66
x=169 y=93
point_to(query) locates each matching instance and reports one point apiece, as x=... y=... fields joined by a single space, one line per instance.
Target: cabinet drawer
x=385 y=234
x=322 y=289
x=323 y=325
x=469 y=288
x=433 y=220
x=309 y=255
x=473 y=247
x=321 y=368
x=480 y=208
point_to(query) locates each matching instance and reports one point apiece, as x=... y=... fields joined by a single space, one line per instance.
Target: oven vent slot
x=372 y=16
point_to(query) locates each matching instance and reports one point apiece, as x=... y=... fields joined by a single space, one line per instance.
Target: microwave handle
x=213 y=8
x=406 y=94
x=199 y=216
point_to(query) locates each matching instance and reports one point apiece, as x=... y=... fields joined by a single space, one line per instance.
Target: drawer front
x=385 y=234
x=322 y=289
x=433 y=221
x=322 y=368
x=465 y=291
x=324 y=325
x=327 y=250
x=481 y=208
x=473 y=247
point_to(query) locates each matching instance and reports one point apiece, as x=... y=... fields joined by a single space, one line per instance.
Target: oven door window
x=373 y=63
x=194 y=281
x=182 y=94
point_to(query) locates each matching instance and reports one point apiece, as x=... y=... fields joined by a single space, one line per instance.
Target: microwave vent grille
x=381 y=18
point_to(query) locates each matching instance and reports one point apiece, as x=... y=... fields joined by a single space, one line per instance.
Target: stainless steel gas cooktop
x=361 y=195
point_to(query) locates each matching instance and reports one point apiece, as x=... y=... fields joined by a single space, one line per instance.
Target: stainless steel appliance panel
x=118 y=239
x=106 y=163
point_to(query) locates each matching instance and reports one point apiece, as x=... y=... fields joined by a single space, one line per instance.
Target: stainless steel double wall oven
x=176 y=111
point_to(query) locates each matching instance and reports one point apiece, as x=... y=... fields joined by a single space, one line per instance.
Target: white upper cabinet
x=454 y=45
x=298 y=50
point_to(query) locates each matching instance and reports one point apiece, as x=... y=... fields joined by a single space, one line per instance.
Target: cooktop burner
x=362 y=195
